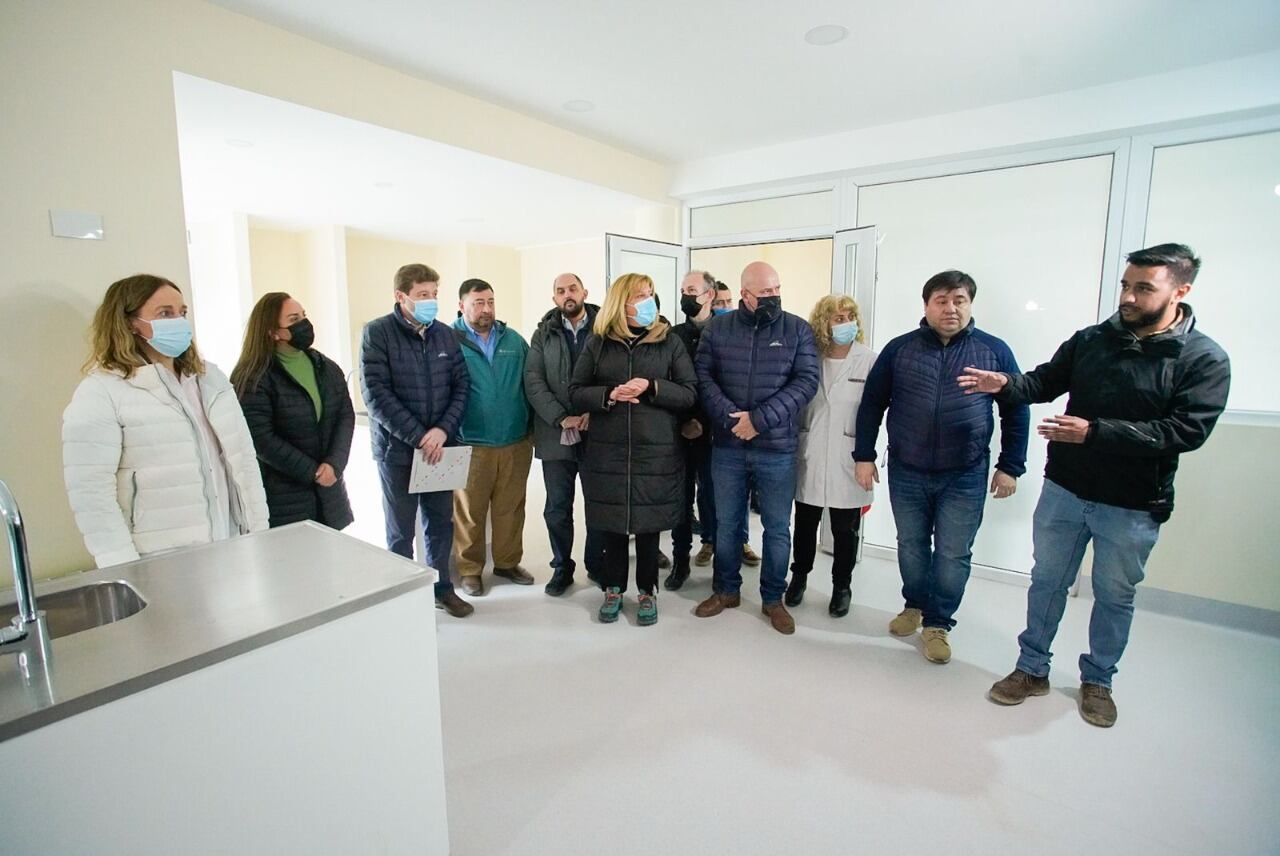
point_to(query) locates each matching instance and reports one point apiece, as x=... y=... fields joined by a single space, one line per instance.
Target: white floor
x=708 y=736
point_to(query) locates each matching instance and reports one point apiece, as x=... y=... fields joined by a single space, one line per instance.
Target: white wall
x=221 y=286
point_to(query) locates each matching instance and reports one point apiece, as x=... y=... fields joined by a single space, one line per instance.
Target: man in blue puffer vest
x=757 y=369
x=939 y=452
x=415 y=388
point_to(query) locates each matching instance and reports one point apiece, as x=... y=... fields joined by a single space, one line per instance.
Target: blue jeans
x=400 y=510
x=697 y=473
x=937 y=515
x=561 y=478
x=1122 y=541
x=774 y=475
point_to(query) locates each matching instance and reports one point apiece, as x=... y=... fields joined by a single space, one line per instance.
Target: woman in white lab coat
x=824 y=461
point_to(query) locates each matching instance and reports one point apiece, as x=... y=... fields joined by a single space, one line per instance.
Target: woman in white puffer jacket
x=155 y=450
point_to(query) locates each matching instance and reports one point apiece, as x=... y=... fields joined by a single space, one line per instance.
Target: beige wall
x=540 y=265
x=275 y=264
x=111 y=148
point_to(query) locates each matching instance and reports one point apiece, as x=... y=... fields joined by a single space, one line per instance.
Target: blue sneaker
x=612 y=605
x=648 y=612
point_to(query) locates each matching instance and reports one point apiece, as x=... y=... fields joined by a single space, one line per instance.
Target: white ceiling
x=308 y=168
x=683 y=79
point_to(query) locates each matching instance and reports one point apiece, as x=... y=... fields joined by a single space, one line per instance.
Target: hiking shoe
x=936 y=647
x=749 y=556
x=612 y=605
x=907 y=622
x=1016 y=686
x=1096 y=706
x=559 y=583
x=705 y=552
x=454 y=605
x=648 y=612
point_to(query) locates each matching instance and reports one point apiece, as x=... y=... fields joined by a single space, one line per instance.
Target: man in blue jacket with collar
x=757 y=368
x=415 y=387
x=939 y=452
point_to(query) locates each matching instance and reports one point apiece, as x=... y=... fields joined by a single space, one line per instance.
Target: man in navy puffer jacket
x=939 y=452
x=757 y=369
x=415 y=386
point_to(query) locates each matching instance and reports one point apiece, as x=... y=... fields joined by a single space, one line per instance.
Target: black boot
x=839 y=607
x=559 y=583
x=678 y=575
x=795 y=591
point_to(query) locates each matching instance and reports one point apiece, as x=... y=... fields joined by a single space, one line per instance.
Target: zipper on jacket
x=937 y=410
x=630 y=374
x=133 y=503
x=751 y=368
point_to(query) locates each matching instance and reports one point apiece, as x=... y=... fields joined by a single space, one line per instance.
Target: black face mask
x=768 y=308
x=689 y=305
x=301 y=334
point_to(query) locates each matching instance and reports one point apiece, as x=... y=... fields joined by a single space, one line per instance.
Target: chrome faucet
x=27 y=635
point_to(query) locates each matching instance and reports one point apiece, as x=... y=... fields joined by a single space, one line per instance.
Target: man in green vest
x=496 y=426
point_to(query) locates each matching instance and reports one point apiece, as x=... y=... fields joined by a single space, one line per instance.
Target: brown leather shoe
x=517 y=575
x=454 y=605
x=717 y=604
x=473 y=585
x=750 y=557
x=779 y=618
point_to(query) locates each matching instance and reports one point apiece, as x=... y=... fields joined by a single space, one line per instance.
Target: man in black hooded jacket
x=1143 y=387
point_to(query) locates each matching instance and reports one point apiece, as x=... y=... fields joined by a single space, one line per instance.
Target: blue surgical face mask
x=844 y=334
x=646 y=312
x=721 y=310
x=170 y=336
x=424 y=311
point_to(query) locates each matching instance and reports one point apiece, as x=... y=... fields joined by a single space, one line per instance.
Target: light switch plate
x=76 y=224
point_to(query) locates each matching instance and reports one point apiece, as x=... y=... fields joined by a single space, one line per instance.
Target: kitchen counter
x=204 y=605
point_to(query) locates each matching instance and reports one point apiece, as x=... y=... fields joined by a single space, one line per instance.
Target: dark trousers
x=845 y=523
x=561 y=478
x=400 y=510
x=617 y=557
x=697 y=474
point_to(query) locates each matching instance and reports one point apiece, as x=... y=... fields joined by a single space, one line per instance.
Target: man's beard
x=1140 y=320
x=571 y=309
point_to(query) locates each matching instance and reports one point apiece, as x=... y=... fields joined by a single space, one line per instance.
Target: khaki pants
x=495 y=490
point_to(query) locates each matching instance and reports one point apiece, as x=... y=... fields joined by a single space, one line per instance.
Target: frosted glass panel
x=1223 y=199
x=778 y=212
x=804 y=269
x=1032 y=237
x=662 y=270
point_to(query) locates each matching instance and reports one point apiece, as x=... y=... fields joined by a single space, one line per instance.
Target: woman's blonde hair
x=259 y=348
x=611 y=320
x=827 y=308
x=114 y=345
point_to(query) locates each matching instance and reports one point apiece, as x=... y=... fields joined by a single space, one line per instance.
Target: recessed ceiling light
x=577 y=105
x=827 y=34
x=382 y=185
x=240 y=144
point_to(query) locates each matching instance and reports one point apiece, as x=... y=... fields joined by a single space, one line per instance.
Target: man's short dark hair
x=1178 y=258
x=470 y=285
x=410 y=275
x=720 y=286
x=569 y=273
x=949 y=280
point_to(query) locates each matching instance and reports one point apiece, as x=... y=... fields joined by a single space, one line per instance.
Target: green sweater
x=301 y=369
x=497 y=412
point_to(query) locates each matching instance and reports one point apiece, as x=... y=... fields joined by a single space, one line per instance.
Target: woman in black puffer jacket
x=636 y=381
x=296 y=403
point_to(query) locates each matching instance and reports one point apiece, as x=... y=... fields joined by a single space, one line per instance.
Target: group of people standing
x=161 y=450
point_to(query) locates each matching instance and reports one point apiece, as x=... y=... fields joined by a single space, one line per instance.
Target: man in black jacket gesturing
x=1143 y=387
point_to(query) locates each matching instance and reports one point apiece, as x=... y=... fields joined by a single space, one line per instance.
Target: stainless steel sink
x=83 y=608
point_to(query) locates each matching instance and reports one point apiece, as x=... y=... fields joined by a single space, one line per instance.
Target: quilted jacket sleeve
x=344 y=421
x=238 y=450
x=536 y=389
x=459 y=384
x=276 y=451
x=91 y=445
x=784 y=406
x=375 y=377
x=716 y=404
